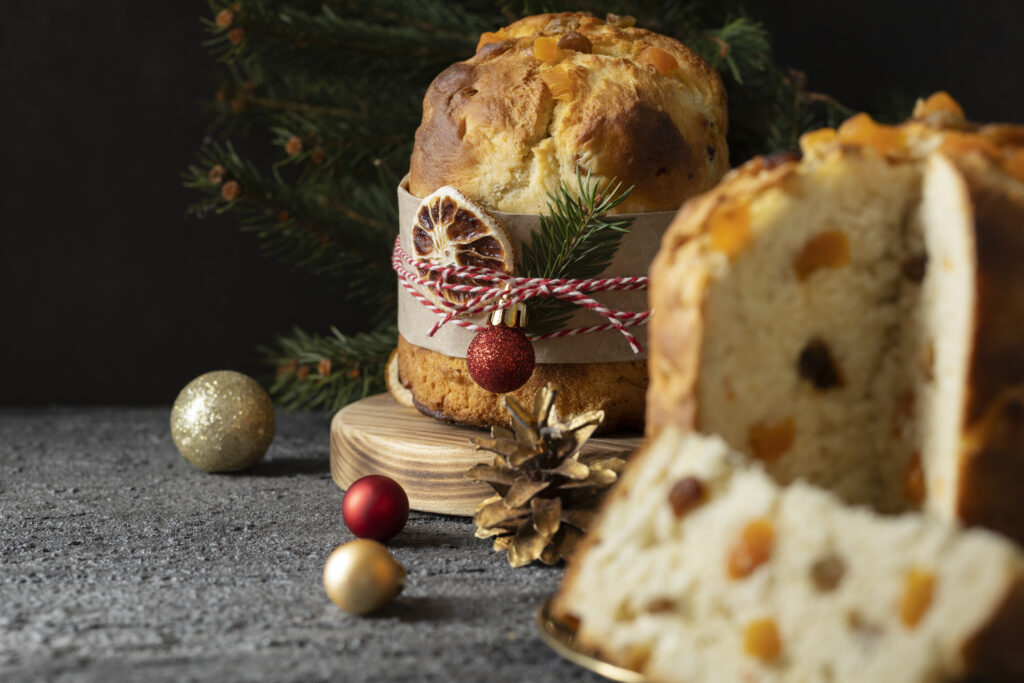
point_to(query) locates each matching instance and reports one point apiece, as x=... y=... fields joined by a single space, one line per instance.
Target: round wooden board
x=427 y=457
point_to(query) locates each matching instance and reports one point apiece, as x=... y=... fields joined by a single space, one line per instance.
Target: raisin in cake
x=703 y=569
x=542 y=98
x=856 y=318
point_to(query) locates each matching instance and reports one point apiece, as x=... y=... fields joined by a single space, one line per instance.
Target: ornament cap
x=512 y=316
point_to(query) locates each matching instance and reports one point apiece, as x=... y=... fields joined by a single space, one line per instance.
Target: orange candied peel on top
x=815 y=139
x=560 y=83
x=659 y=59
x=862 y=130
x=545 y=48
x=490 y=37
x=940 y=101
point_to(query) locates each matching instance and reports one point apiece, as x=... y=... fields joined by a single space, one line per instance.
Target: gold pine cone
x=547 y=490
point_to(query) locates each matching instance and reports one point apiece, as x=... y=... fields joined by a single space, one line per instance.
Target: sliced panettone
x=856 y=318
x=702 y=568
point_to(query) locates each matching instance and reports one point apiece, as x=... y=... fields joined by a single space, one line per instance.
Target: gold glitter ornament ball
x=222 y=421
x=361 y=576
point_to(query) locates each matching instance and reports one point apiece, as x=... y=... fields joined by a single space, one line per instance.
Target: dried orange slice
x=398 y=391
x=451 y=230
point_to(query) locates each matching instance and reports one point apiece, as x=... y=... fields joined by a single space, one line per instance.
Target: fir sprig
x=327 y=372
x=576 y=239
x=335 y=87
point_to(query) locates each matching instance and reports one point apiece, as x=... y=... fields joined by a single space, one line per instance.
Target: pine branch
x=335 y=87
x=327 y=372
x=575 y=240
x=332 y=231
x=739 y=49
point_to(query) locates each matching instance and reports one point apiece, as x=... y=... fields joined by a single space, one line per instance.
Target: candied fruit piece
x=729 y=228
x=545 y=48
x=620 y=21
x=817 y=366
x=761 y=640
x=827 y=572
x=560 y=84
x=768 y=442
x=660 y=606
x=940 y=101
x=913 y=480
x=659 y=59
x=753 y=549
x=918 y=588
x=490 y=37
x=828 y=250
x=575 y=41
x=687 y=494
x=863 y=131
x=816 y=138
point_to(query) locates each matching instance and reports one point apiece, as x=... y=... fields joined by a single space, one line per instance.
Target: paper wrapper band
x=634 y=256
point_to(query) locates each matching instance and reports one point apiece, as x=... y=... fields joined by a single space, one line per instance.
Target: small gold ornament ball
x=361 y=576
x=222 y=421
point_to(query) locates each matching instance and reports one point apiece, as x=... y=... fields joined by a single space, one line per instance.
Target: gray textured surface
x=120 y=561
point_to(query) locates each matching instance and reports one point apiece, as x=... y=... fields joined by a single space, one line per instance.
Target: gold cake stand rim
x=562 y=640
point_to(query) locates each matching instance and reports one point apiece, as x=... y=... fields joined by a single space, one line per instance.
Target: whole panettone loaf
x=541 y=100
x=856 y=318
x=702 y=569
x=556 y=92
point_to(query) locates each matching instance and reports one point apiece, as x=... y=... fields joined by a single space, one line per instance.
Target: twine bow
x=503 y=290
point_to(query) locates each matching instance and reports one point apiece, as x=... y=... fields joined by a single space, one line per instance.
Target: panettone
x=542 y=99
x=556 y=92
x=703 y=569
x=856 y=318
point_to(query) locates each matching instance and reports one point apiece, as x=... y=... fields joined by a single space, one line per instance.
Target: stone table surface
x=120 y=561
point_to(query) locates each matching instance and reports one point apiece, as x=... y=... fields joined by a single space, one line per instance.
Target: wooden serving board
x=427 y=457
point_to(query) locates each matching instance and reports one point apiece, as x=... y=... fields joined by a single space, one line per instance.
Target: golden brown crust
x=442 y=388
x=493 y=129
x=993 y=465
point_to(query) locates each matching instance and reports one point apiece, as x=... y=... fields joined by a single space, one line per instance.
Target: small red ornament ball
x=375 y=507
x=500 y=358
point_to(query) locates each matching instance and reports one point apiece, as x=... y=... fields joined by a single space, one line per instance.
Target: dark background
x=109 y=293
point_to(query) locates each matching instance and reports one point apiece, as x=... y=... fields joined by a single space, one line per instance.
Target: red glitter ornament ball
x=375 y=507
x=500 y=358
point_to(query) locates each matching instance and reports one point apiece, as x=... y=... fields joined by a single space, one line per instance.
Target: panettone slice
x=701 y=568
x=856 y=318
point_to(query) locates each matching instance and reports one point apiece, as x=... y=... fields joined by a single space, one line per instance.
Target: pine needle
x=576 y=239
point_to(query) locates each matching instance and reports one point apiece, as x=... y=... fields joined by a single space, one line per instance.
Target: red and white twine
x=507 y=290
